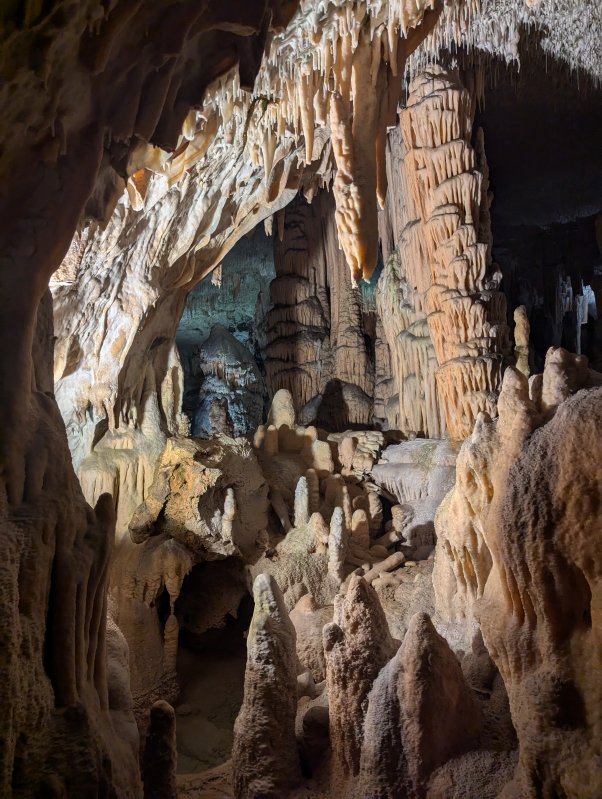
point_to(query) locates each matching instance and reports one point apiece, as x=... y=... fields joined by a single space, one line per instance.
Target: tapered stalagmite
x=264 y=755
x=338 y=543
x=301 y=502
x=521 y=339
x=420 y=713
x=356 y=645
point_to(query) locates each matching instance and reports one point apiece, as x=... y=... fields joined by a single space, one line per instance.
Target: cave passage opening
x=545 y=165
x=214 y=611
x=219 y=342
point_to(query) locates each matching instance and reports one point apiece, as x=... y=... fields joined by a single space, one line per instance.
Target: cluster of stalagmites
x=373 y=668
x=491 y=691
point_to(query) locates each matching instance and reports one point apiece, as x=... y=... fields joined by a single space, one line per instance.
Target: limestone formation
x=301 y=502
x=357 y=645
x=420 y=714
x=314 y=331
x=309 y=620
x=526 y=580
x=231 y=394
x=139 y=143
x=418 y=474
x=456 y=284
x=159 y=767
x=521 y=339
x=338 y=541
x=264 y=756
x=210 y=496
x=282 y=410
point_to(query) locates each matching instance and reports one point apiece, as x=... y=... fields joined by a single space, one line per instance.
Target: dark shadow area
x=542 y=142
x=211 y=662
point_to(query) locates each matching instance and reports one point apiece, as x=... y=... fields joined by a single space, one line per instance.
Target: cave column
x=451 y=269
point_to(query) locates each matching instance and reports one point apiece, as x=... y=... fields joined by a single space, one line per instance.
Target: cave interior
x=301 y=399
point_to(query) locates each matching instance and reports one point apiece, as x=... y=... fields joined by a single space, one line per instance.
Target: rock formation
x=160 y=754
x=420 y=714
x=231 y=394
x=315 y=342
x=445 y=258
x=265 y=759
x=356 y=645
x=513 y=551
x=139 y=142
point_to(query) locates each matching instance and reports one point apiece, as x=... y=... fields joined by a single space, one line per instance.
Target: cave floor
x=211 y=691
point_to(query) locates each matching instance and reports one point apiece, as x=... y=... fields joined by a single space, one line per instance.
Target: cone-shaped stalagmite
x=265 y=761
x=357 y=645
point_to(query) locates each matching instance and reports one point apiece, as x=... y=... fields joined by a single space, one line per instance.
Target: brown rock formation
x=73 y=108
x=160 y=755
x=57 y=704
x=264 y=757
x=357 y=644
x=406 y=390
x=146 y=97
x=518 y=545
x=209 y=495
x=314 y=332
x=420 y=714
x=439 y=293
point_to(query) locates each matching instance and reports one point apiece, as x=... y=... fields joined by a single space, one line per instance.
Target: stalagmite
x=266 y=722
x=360 y=529
x=357 y=645
x=313 y=490
x=159 y=767
x=420 y=714
x=319 y=531
x=282 y=409
x=338 y=541
x=301 y=502
x=521 y=339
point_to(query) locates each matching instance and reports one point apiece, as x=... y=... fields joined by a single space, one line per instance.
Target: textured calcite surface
x=442 y=317
x=515 y=560
x=138 y=143
x=315 y=330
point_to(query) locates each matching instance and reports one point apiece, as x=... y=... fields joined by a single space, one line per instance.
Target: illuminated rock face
x=448 y=258
x=96 y=101
x=514 y=559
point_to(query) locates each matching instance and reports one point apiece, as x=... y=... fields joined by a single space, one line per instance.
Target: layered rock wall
x=315 y=344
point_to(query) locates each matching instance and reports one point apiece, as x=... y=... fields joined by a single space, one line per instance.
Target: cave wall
x=81 y=85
